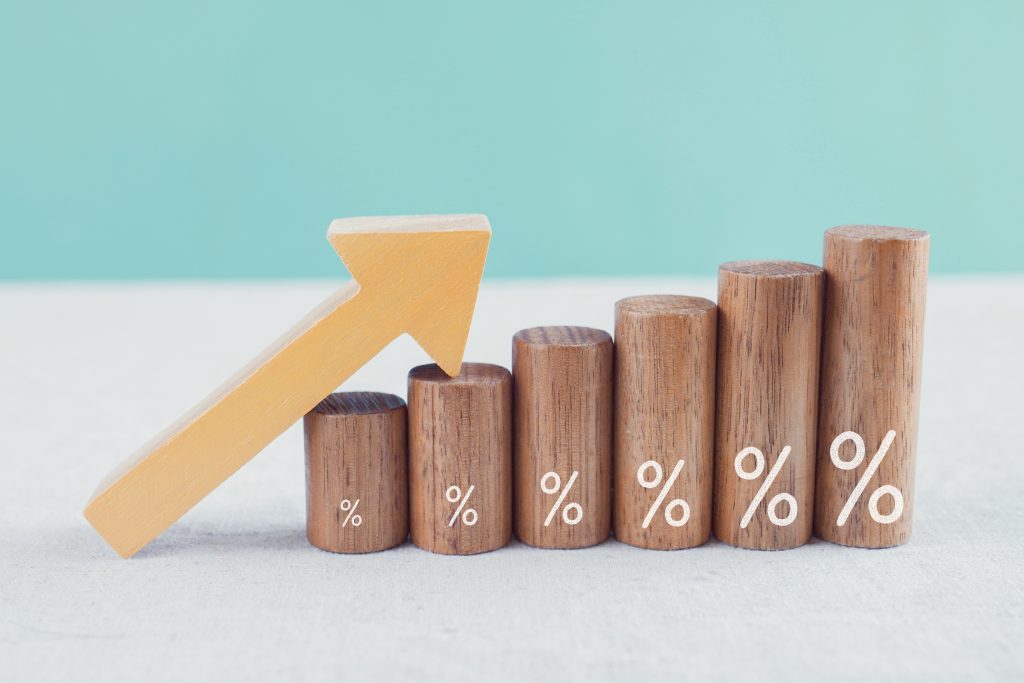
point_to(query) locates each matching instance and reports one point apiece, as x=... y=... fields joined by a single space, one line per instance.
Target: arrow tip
x=428 y=268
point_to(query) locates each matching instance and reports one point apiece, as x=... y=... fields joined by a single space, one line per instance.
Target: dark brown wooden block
x=460 y=458
x=357 y=494
x=769 y=341
x=664 y=420
x=563 y=435
x=871 y=384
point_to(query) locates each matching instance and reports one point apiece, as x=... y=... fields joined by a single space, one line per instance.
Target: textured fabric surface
x=233 y=591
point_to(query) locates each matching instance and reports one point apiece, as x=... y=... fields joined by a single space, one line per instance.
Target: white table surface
x=233 y=591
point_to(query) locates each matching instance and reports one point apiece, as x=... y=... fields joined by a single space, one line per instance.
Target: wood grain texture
x=664 y=413
x=460 y=455
x=562 y=379
x=415 y=274
x=356 y=459
x=769 y=341
x=871 y=378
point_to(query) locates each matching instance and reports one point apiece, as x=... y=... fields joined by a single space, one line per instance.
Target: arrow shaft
x=176 y=470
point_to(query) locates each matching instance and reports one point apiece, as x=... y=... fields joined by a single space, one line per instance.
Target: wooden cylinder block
x=563 y=436
x=769 y=341
x=460 y=458
x=357 y=494
x=664 y=420
x=871 y=384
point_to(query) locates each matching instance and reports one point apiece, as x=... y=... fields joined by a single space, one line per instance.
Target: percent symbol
x=571 y=513
x=454 y=495
x=350 y=507
x=641 y=477
x=858 y=490
x=773 y=504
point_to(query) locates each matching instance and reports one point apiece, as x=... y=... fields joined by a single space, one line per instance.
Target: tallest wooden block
x=871 y=384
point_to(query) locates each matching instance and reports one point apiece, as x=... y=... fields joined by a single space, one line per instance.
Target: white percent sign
x=454 y=495
x=858 y=490
x=641 y=477
x=350 y=507
x=554 y=487
x=773 y=504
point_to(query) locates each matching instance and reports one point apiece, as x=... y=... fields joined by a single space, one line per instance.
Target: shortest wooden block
x=460 y=453
x=357 y=495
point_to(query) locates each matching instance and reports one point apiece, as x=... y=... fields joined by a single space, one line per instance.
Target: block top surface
x=358 y=403
x=770 y=268
x=470 y=373
x=663 y=304
x=875 y=232
x=565 y=335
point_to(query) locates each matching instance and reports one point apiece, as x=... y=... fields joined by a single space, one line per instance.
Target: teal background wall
x=217 y=139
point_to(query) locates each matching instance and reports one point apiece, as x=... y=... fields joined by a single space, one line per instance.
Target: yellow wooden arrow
x=415 y=274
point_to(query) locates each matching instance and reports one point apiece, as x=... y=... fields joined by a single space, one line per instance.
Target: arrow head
x=425 y=270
